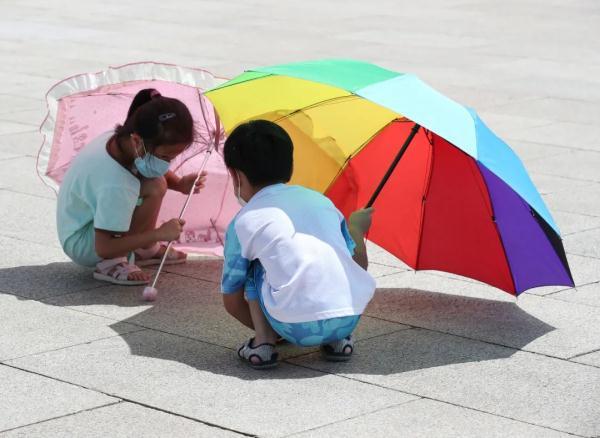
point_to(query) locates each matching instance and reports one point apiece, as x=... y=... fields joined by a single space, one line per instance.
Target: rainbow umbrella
x=449 y=194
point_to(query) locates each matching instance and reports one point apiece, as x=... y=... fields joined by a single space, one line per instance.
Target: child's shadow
x=402 y=330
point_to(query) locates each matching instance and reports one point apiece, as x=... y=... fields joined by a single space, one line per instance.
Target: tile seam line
x=10 y=359
x=115 y=396
x=584 y=354
x=70 y=414
x=584 y=255
x=30 y=241
x=46 y=297
x=512 y=139
x=581 y=231
x=316 y=428
x=551 y=294
x=424 y=397
x=590 y=182
x=578 y=213
x=18 y=192
x=485 y=342
x=147 y=328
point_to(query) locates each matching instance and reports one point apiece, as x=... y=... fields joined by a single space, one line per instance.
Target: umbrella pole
x=390 y=170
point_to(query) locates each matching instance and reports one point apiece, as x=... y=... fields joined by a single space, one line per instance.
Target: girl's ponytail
x=158 y=120
x=142 y=97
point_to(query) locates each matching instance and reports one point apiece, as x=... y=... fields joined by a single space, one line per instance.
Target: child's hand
x=186 y=183
x=170 y=230
x=360 y=220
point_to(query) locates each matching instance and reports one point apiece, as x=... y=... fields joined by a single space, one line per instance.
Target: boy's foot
x=118 y=271
x=154 y=255
x=259 y=357
x=338 y=351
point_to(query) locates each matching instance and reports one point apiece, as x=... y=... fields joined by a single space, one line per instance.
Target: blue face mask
x=150 y=165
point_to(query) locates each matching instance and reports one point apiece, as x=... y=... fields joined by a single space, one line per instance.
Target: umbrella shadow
x=402 y=330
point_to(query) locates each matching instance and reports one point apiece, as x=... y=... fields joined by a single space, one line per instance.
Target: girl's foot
x=154 y=255
x=338 y=351
x=259 y=357
x=119 y=271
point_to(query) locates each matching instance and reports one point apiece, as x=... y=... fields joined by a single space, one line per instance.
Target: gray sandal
x=338 y=351
x=265 y=353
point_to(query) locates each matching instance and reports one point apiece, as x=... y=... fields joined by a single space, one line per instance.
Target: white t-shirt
x=296 y=235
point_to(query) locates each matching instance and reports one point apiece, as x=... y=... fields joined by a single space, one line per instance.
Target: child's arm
x=108 y=246
x=359 y=223
x=185 y=183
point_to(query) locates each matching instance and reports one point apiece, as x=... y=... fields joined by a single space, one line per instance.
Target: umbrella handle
x=189 y=196
x=390 y=170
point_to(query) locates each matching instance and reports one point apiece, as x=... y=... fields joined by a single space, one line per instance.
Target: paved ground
x=437 y=356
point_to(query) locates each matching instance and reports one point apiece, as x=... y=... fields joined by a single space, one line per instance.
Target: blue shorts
x=305 y=334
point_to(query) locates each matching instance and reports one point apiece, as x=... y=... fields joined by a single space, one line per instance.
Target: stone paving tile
x=529 y=151
x=589 y=359
x=8 y=127
x=482 y=98
x=574 y=135
x=429 y=418
x=19 y=254
x=42 y=281
x=206 y=268
x=25 y=143
x=21 y=176
x=547 y=184
x=531 y=323
x=571 y=223
x=586 y=243
x=120 y=420
x=588 y=295
x=504 y=124
x=584 y=200
x=559 y=110
x=31 y=117
x=578 y=165
x=190 y=308
x=443 y=282
x=42 y=327
x=31 y=218
x=208 y=383
x=11 y=103
x=28 y=398
x=493 y=379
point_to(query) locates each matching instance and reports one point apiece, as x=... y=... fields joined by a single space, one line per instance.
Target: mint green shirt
x=96 y=193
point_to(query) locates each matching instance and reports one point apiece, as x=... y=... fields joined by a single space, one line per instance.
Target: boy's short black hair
x=262 y=150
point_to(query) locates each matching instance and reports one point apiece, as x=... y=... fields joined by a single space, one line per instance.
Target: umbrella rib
x=423 y=205
x=321 y=102
x=361 y=147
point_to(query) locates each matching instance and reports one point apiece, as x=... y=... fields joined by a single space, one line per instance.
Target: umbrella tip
x=149 y=293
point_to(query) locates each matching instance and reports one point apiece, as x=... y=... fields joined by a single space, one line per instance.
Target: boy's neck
x=253 y=190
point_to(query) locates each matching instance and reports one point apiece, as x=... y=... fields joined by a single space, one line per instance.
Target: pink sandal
x=117 y=271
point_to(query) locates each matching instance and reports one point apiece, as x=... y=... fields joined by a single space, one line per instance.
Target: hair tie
x=166 y=116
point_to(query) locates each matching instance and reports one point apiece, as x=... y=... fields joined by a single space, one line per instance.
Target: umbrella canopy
x=459 y=200
x=82 y=107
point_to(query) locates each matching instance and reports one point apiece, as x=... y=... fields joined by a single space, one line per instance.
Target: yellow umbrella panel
x=327 y=124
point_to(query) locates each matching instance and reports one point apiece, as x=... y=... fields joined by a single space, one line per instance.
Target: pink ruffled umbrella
x=82 y=107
